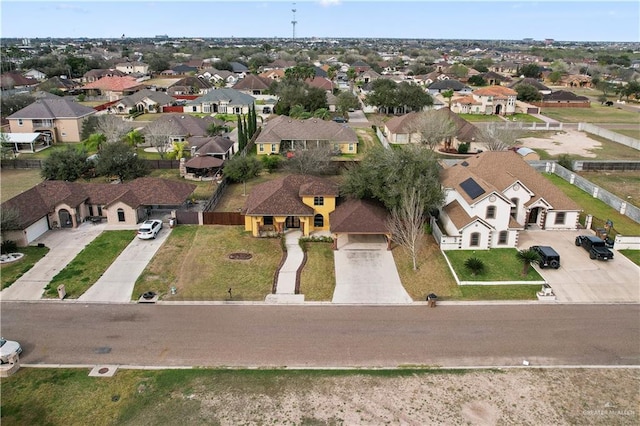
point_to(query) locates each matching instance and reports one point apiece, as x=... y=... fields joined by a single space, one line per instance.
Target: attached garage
x=37 y=229
x=360 y=223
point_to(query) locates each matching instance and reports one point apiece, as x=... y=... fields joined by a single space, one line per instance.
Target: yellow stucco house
x=291 y=202
x=285 y=134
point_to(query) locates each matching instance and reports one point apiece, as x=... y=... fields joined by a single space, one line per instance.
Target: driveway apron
x=366 y=274
x=64 y=245
x=117 y=282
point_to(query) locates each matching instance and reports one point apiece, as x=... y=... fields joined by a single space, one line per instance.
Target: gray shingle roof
x=47 y=108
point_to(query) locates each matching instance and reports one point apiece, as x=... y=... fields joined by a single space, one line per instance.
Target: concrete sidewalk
x=286 y=284
x=64 y=245
x=117 y=283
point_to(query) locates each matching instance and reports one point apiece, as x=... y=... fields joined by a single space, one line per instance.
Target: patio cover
x=17 y=139
x=204 y=162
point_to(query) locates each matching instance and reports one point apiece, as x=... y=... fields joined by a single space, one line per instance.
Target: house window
x=351 y=147
x=318 y=201
x=120 y=215
x=90 y=210
x=261 y=147
x=273 y=147
x=20 y=123
x=560 y=218
x=318 y=221
x=99 y=210
x=194 y=108
x=475 y=239
x=268 y=220
x=514 y=209
x=491 y=212
x=503 y=237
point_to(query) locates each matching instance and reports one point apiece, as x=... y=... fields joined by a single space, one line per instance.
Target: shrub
x=463 y=148
x=271 y=162
x=8 y=246
x=566 y=161
x=475 y=265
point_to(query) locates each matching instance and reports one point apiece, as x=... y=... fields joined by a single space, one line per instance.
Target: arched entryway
x=292 y=222
x=533 y=215
x=65 y=218
x=498 y=110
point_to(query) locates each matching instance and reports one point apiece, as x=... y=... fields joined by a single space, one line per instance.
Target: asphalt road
x=323 y=336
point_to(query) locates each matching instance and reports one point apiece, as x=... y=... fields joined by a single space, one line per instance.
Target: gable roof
x=211 y=145
x=230 y=96
x=497 y=91
x=52 y=108
x=320 y=82
x=359 y=216
x=253 y=82
x=114 y=84
x=286 y=128
x=498 y=170
x=283 y=196
x=564 y=95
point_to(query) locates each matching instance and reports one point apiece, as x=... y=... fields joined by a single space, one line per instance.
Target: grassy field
x=499 y=264
x=10 y=272
x=89 y=265
x=632 y=133
x=16 y=181
x=203 y=191
x=625 y=185
x=596 y=114
x=621 y=223
x=39 y=396
x=633 y=255
x=195 y=260
x=318 y=278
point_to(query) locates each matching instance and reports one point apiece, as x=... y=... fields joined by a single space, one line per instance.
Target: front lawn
x=633 y=255
x=89 y=265
x=499 y=265
x=478 y=118
x=196 y=261
x=500 y=292
x=621 y=223
x=318 y=278
x=10 y=272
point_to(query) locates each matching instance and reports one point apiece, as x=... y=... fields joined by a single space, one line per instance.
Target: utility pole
x=294 y=22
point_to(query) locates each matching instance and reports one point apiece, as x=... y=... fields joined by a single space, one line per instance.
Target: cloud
x=71 y=7
x=328 y=3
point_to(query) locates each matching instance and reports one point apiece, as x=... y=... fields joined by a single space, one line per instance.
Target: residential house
x=273 y=74
x=360 y=67
x=219 y=78
x=450 y=84
x=284 y=134
x=13 y=82
x=146 y=101
x=369 y=76
x=65 y=85
x=60 y=119
x=189 y=85
x=180 y=127
x=96 y=74
x=494 y=79
x=301 y=202
x=321 y=83
x=239 y=69
x=135 y=67
x=113 y=88
x=492 y=196
x=221 y=101
x=488 y=100
x=213 y=146
x=253 y=85
x=35 y=74
x=183 y=69
x=544 y=90
x=576 y=80
x=59 y=204
x=563 y=98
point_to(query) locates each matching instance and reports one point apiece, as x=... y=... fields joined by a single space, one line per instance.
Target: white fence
x=382 y=137
x=608 y=134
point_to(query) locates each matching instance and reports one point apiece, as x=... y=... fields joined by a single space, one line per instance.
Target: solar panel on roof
x=472 y=188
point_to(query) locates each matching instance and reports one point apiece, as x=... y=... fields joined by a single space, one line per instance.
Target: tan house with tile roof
x=60 y=204
x=113 y=88
x=283 y=134
x=497 y=100
x=492 y=196
x=291 y=202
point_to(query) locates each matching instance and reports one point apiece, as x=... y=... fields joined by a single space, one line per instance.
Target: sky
x=477 y=20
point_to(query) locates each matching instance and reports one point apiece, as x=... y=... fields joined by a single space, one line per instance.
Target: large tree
x=241 y=168
x=69 y=164
x=386 y=174
x=113 y=128
x=528 y=93
x=406 y=223
x=119 y=159
x=434 y=128
x=158 y=134
x=315 y=160
x=346 y=101
x=499 y=136
x=388 y=95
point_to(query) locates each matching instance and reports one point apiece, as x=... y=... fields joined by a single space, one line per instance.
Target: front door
x=292 y=222
x=533 y=215
x=65 y=219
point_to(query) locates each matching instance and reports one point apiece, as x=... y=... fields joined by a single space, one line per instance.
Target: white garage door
x=37 y=229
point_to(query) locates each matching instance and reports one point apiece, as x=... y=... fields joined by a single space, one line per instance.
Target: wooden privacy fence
x=184 y=217
x=222 y=218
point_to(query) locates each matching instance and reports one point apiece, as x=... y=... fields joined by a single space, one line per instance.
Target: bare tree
x=406 y=223
x=315 y=160
x=499 y=136
x=159 y=133
x=434 y=128
x=113 y=128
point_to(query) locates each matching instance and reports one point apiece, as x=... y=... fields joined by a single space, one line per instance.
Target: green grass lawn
x=596 y=114
x=195 y=260
x=89 y=265
x=610 y=150
x=500 y=265
x=525 y=118
x=203 y=191
x=16 y=181
x=500 y=292
x=632 y=133
x=621 y=223
x=44 y=154
x=10 y=272
x=477 y=118
x=633 y=255
x=318 y=278
x=625 y=185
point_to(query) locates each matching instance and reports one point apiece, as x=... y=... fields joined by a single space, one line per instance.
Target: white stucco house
x=492 y=196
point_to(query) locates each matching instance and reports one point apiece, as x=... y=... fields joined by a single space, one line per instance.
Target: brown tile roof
x=501 y=169
x=402 y=123
x=359 y=216
x=210 y=145
x=114 y=84
x=253 y=82
x=12 y=79
x=283 y=196
x=320 y=82
x=286 y=128
x=204 y=162
x=496 y=91
x=458 y=215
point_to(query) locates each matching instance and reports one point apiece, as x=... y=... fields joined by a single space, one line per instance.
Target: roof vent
x=464 y=163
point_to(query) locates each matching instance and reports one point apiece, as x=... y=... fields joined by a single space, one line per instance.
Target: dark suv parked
x=596 y=247
x=549 y=258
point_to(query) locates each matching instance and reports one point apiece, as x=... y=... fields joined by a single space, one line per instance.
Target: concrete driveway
x=581 y=279
x=64 y=245
x=117 y=282
x=366 y=272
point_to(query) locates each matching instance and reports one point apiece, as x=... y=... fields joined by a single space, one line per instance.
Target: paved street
x=60 y=332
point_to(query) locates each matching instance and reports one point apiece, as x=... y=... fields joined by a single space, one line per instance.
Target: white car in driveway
x=8 y=348
x=149 y=229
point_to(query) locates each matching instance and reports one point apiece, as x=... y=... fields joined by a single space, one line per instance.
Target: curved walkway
x=286 y=282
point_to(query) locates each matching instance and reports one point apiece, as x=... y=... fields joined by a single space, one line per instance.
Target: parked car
x=595 y=246
x=339 y=119
x=149 y=229
x=549 y=258
x=8 y=348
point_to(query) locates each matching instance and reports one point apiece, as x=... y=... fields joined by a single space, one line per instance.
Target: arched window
x=318 y=221
x=120 y=215
x=503 y=237
x=475 y=239
x=491 y=212
x=514 y=209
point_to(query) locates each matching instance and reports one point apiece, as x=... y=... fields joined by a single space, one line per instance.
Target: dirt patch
x=565 y=142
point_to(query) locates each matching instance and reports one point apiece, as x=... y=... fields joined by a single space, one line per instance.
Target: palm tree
x=475 y=265
x=448 y=94
x=527 y=257
x=134 y=138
